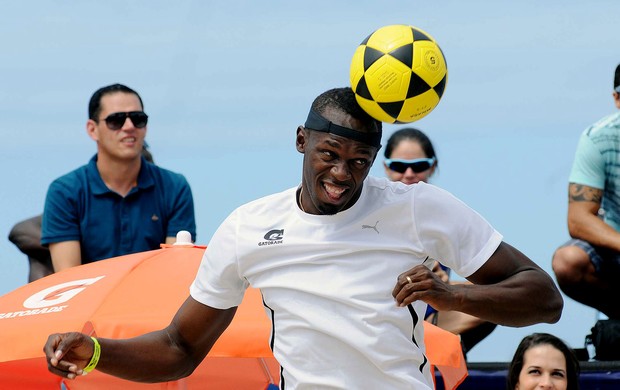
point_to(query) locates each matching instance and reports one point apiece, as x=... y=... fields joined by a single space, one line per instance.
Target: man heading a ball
x=342 y=261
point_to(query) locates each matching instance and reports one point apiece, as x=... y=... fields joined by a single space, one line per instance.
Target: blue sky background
x=226 y=83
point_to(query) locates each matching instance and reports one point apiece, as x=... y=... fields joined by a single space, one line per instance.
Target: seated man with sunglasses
x=118 y=203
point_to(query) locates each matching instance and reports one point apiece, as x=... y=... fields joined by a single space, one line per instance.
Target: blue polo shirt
x=79 y=206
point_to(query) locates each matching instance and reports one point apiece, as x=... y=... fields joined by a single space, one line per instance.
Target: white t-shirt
x=327 y=280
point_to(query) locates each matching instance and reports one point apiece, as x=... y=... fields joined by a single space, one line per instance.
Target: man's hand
x=421 y=283
x=68 y=353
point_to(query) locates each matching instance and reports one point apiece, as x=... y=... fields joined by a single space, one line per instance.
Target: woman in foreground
x=543 y=361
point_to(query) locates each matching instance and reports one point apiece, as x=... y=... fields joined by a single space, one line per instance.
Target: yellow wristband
x=95 y=359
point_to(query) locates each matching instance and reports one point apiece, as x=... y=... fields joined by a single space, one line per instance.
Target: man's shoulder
x=608 y=125
x=381 y=186
x=384 y=191
x=273 y=201
x=161 y=170
x=74 y=178
x=163 y=174
x=383 y=183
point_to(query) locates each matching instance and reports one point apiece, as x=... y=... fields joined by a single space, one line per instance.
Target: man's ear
x=91 y=129
x=616 y=96
x=301 y=139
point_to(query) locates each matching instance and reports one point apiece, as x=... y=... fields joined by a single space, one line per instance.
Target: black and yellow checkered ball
x=398 y=74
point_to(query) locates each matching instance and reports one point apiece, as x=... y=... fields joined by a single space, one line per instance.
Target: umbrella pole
x=266 y=369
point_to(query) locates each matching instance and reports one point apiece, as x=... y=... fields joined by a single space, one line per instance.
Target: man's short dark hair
x=617 y=79
x=94 y=106
x=343 y=99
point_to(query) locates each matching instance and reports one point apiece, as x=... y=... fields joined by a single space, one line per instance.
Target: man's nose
x=341 y=171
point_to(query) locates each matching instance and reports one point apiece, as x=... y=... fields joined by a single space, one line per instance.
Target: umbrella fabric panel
x=61 y=302
x=149 y=295
x=28 y=374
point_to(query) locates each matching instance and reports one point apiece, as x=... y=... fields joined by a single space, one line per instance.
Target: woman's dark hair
x=533 y=340
x=410 y=133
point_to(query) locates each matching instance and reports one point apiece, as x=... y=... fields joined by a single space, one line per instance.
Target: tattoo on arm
x=581 y=193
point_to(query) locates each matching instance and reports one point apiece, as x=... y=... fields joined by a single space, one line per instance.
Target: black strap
x=316 y=122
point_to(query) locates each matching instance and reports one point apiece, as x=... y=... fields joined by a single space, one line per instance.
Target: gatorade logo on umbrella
x=59 y=293
x=49 y=299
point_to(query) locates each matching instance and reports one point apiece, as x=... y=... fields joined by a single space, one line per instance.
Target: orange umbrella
x=124 y=297
x=130 y=295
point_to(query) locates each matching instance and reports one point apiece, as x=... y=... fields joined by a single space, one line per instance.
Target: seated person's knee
x=569 y=264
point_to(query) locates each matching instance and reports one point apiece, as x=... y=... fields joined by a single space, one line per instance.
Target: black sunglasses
x=115 y=121
x=417 y=165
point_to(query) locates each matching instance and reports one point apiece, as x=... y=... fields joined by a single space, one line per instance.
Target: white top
x=327 y=280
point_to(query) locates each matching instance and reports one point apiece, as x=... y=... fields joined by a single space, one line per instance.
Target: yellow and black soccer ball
x=398 y=74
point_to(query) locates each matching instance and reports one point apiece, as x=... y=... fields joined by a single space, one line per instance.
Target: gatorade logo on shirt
x=273 y=237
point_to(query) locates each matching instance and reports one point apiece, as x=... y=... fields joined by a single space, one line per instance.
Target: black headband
x=316 y=122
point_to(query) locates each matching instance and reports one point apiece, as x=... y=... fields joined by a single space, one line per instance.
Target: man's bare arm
x=509 y=289
x=584 y=222
x=65 y=254
x=165 y=355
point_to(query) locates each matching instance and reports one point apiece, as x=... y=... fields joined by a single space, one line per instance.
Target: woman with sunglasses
x=410 y=158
